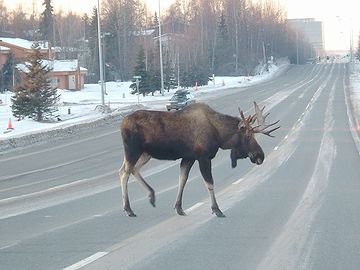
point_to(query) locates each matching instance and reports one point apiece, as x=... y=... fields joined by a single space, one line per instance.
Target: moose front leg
x=205 y=169
x=185 y=167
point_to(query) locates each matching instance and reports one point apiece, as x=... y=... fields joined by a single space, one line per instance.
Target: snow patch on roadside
x=77 y=112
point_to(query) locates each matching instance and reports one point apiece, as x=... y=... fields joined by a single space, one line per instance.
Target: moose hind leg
x=124 y=174
x=185 y=167
x=144 y=158
x=205 y=169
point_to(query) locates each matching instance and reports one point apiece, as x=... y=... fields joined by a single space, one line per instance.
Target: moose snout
x=257 y=159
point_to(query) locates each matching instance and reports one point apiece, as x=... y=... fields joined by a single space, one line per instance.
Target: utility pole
x=2 y=72
x=352 y=62
x=161 y=60
x=297 y=47
x=100 y=57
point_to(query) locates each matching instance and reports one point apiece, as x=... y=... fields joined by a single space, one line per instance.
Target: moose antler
x=246 y=122
x=262 y=126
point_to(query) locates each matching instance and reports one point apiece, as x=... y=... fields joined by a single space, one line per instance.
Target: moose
x=193 y=134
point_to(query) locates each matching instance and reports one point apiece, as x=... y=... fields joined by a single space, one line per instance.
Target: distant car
x=180 y=100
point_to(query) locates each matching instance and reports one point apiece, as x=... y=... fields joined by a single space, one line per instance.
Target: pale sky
x=339 y=18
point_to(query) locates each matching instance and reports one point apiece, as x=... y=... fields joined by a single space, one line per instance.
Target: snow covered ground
x=80 y=106
x=355 y=94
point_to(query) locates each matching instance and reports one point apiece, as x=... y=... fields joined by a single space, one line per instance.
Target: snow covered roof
x=63 y=65
x=144 y=33
x=2 y=48
x=56 y=65
x=23 y=43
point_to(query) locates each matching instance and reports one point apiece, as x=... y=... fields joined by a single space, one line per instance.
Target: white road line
x=292 y=248
x=238 y=181
x=51 y=167
x=10 y=245
x=13 y=205
x=49 y=149
x=192 y=208
x=86 y=261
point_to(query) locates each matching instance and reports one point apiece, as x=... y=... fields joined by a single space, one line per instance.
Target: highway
x=61 y=207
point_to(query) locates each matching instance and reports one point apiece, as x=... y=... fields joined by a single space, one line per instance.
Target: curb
x=65 y=132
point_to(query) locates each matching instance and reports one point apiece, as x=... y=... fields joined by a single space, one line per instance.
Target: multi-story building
x=312 y=31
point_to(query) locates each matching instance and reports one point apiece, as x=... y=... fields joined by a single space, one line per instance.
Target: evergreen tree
x=153 y=69
x=223 y=55
x=155 y=24
x=169 y=73
x=358 y=48
x=7 y=73
x=35 y=98
x=140 y=70
x=94 y=66
x=47 y=22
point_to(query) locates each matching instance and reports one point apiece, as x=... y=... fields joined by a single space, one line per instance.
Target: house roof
x=141 y=33
x=23 y=43
x=2 y=48
x=56 y=65
x=63 y=65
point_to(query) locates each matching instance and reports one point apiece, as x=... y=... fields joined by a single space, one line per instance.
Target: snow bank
x=78 y=111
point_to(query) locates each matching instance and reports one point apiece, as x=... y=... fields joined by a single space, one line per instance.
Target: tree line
x=200 y=37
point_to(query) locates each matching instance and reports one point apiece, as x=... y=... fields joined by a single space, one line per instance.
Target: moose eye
x=242 y=129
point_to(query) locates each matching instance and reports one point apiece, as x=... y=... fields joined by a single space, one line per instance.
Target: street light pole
x=100 y=56
x=297 y=47
x=352 y=62
x=351 y=42
x=161 y=60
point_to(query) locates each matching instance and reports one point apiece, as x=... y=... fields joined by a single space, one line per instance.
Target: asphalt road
x=60 y=203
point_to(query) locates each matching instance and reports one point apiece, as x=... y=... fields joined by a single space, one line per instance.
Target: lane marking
x=238 y=181
x=192 y=208
x=13 y=206
x=10 y=245
x=292 y=247
x=50 y=149
x=86 y=261
x=52 y=167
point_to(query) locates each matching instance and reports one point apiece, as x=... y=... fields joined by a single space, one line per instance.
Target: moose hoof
x=129 y=213
x=218 y=212
x=152 y=198
x=179 y=211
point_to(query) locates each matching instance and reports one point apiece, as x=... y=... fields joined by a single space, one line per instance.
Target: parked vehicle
x=180 y=100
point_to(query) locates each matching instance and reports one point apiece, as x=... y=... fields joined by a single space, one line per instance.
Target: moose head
x=246 y=145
